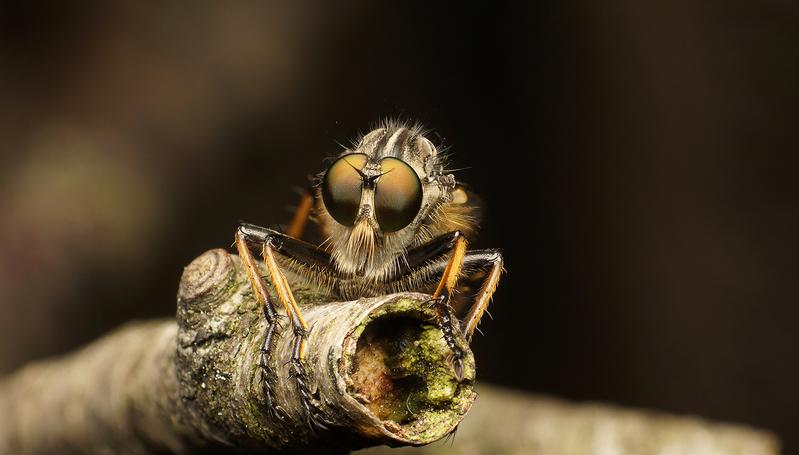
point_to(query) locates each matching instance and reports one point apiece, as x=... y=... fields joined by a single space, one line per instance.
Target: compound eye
x=398 y=195
x=341 y=188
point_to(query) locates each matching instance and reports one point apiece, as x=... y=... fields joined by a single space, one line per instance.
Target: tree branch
x=381 y=368
x=504 y=421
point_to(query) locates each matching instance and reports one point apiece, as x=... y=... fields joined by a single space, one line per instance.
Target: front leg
x=444 y=259
x=495 y=260
x=274 y=243
x=301 y=214
x=270 y=314
x=443 y=296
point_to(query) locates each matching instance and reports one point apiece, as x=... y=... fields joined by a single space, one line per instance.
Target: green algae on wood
x=401 y=370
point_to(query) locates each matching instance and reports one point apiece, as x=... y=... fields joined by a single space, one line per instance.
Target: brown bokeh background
x=638 y=161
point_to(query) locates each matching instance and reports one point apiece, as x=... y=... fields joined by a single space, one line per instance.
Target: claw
x=313 y=415
x=451 y=436
x=457 y=365
x=275 y=411
x=432 y=301
x=314 y=419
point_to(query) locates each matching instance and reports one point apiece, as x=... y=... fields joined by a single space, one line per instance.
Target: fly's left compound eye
x=341 y=188
x=398 y=195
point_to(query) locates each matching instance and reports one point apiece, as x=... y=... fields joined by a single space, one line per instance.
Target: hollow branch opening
x=401 y=371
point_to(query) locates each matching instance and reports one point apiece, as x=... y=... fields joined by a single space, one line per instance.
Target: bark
x=380 y=366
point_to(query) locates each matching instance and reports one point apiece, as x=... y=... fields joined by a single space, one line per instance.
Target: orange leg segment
x=442 y=297
x=270 y=314
x=472 y=319
x=300 y=218
x=247 y=236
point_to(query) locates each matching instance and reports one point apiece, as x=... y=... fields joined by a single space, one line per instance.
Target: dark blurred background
x=638 y=161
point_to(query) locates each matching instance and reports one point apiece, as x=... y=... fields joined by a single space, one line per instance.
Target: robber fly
x=395 y=220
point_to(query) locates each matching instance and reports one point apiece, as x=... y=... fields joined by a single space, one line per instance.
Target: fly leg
x=301 y=215
x=444 y=259
x=443 y=296
x=496 y=261
x=265 y=300
x=274 y=243
x=300 y=328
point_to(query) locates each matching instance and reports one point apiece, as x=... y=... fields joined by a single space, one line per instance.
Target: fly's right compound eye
x=341 y=188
